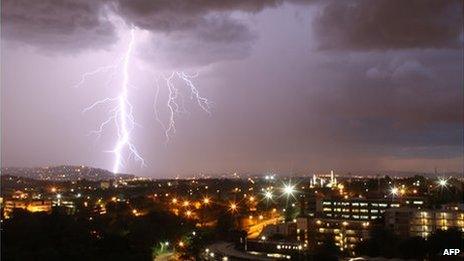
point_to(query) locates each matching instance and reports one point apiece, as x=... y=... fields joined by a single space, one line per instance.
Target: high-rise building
x=361 y=209
x=410 y=222
x=346 y=234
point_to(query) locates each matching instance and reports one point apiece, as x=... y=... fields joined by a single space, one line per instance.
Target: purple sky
x=296 y=86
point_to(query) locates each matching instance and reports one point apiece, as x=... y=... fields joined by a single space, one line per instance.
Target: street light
x=268 y=195
x=289 y=189
x=442 y=182
x=165 y=244
x=233 y=207
x=394 y=191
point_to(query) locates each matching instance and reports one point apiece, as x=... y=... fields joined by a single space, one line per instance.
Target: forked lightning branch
x=121 y=115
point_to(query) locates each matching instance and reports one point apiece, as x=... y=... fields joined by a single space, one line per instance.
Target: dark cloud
x=222 y=29
x=217 y=38
x=192 y=32
x=174 y=15
x=409 y=100
x=56 y=25
x=401 y=70
x=354 y=24
x=390 y=24
x=393 y=99
x=84 y=24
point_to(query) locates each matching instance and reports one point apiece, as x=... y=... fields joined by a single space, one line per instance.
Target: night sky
x=296 y=86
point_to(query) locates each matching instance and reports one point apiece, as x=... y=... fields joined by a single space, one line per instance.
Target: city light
x=442 y=182
x=268 y=195
x=184 y=202
x=289 y=189
x=233 y=207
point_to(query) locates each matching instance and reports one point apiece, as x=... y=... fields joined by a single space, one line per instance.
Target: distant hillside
x=63 y=173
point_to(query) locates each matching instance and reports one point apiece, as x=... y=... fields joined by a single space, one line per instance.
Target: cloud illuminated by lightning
x=121 y=115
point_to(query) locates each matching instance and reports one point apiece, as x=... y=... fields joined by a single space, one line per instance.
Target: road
x=255 y=230
x=218 y=251
x=166 y=257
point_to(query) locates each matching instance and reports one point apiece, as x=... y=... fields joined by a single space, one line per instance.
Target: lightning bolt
x=92 y=73
x=121 y=115
x=125 y=120
x=174 y=95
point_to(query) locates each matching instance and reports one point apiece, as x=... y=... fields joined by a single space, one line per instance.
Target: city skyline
x=294 y=85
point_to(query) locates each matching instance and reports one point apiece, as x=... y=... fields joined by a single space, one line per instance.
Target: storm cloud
x=390 y=24
x=56 y=25
x=296 y=86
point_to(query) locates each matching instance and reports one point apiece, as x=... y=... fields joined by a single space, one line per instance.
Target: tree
x=328 y=251
x=381 y=242
x=225 y=223
x=413 y=248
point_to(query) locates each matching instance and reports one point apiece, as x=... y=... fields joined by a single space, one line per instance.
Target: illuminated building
x=285 y=229
x=31 y=206
x=346 y=234
x=105 y=184
x=332 y=180
x=361 y=209
x=69 y=208
x=19 y=195
x=410 y=222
